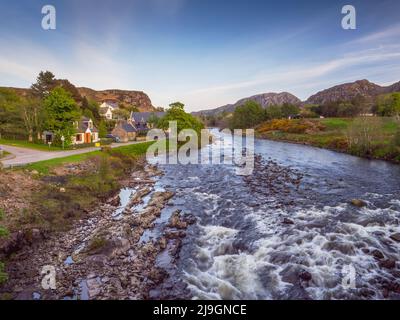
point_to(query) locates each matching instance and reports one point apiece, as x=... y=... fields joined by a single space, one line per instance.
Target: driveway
x=23 y=156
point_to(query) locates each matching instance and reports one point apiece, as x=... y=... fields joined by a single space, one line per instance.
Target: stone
x=388 y=264
x=395 y=237
x=62 y=190
x=287 y=221
x=377 y=254
x=358 y=203
x=305 y=275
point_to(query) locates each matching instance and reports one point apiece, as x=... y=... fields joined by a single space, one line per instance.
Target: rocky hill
x=128 y=97
x=134 y=98
x=264 y=99
x=348 y=91
x=343 y=92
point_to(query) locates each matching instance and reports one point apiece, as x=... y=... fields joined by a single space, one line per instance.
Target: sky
x=201 y=52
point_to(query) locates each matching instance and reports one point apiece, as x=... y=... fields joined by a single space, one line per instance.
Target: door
x=88 y=138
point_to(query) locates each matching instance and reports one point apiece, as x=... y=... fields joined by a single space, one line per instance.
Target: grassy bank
x=29 y=145
x=370 y=137
x=67 y=188
x=45 y=167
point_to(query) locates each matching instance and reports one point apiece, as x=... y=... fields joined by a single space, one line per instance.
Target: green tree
x=102 y=129
x=289 y=110
x=61 y=112
x=184 y=120
x=45 y=83
x=273 y=112
x=389 y=105
x=11 y=123
x=247 y=116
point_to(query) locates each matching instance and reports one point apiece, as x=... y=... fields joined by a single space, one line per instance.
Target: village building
x=143 y=121
x=85 y=132
x=125 y=131
x=107 y=109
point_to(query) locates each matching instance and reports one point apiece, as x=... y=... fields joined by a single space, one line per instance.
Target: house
x=86 y=132
x=107 y=108
x=125 y=131
x=143 y=120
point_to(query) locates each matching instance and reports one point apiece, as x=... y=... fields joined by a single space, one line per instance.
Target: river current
x=289 y=230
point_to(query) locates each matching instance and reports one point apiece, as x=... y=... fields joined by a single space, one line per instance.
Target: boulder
x=358 y=203
x=395 y=237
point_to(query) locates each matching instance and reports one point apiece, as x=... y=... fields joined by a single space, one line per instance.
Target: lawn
x=30 y=145
x=44 y=167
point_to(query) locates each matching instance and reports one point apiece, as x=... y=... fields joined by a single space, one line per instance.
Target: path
x=23 y=156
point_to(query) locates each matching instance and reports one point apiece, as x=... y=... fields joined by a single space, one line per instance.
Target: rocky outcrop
x=134 y=98
x=349 y=91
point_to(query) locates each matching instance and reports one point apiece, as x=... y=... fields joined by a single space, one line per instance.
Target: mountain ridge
x=341 y=92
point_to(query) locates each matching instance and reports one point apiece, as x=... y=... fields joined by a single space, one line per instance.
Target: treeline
x=250 y=114
x=50 y=104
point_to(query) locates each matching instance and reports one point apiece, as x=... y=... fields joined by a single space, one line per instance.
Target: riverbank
x=50 y=206
x=371 y=138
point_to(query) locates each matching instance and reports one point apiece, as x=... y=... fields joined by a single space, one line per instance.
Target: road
x=23 y=156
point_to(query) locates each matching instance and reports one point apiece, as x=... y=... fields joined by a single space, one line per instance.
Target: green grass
x=29 y=145
x=44 y=167
x=336 y=123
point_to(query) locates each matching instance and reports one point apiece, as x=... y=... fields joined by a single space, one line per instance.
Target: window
x=78 y=138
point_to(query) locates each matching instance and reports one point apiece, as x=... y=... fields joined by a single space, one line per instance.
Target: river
x=289 y=230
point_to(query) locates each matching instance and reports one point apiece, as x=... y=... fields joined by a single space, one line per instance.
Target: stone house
x=125 y=131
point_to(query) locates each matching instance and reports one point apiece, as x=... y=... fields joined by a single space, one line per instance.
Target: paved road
x=23 y=156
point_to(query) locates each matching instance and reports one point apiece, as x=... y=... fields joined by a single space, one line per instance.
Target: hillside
x=264 y=99
x=128 y=97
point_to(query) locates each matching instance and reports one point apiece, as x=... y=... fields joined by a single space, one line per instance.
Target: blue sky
x=203 y=53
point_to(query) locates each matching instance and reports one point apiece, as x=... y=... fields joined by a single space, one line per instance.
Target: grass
x=29 y=145
x=45 y=167
x=334 y=135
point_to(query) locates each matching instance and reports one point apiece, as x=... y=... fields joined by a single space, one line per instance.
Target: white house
x=106 y=109
x=86 y=132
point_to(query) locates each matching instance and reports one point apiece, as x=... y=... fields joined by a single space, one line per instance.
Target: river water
x=288 y=231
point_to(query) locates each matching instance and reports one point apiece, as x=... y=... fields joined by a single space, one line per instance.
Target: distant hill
x=349 y=91
x=264 y=99
x=343 y=92
x=136 y=98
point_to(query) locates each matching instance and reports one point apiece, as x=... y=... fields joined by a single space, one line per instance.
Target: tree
x=11 y=124
x=45 y=83
x=289 y=110
x=61 y=113
x=102 y=129
x=247 y=116
x=177 y=105
x=389 y=105
x=31 y=111
x=273 y=112
x=184 y=120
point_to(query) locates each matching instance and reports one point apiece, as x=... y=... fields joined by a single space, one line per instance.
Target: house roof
x=127 y=126
x=83 y=125
x=144 y=116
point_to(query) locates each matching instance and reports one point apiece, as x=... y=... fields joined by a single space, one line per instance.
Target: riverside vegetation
x=363 y=127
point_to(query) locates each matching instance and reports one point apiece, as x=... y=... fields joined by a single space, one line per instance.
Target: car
x=114 y=138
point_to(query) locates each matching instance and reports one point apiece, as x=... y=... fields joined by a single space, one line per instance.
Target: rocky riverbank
x=107 y=255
